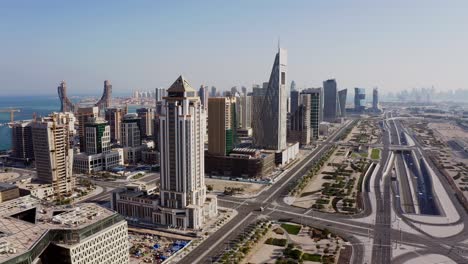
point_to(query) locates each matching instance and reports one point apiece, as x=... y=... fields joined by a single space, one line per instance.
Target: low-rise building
x=37 y=233
x=84 y=163
x=8 y=192
x=242 y=162
x=37 y=189
x=150 y=156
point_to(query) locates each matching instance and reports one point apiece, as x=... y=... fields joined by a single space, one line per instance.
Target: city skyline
x=361 y=44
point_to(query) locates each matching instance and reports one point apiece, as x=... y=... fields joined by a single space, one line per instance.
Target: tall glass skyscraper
x=359 y=99
x=331 y=106
x=342 y=99
x=316 y=107
x=270 y=129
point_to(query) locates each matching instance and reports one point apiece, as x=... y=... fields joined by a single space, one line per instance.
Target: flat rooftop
x=25 y=220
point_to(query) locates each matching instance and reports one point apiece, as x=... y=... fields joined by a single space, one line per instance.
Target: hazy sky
x=146 y=44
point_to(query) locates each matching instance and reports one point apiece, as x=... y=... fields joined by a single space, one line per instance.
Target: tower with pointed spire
x=270 y=129
x=182 y=125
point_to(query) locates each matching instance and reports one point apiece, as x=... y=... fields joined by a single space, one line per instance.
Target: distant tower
x=359 y=99
x=53 y=151
x=244 y=90
x=293 y=85
x=213 y=92
x=342 y=100
x=375 y=99
x=331 y=106
x=294 y=97
x=203 y=94
x=105 y=101
x=271 y=128
x=159 y=94
x=65 y=104
x=183 y=199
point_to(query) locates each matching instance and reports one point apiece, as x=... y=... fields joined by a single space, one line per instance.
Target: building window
x=283 y=78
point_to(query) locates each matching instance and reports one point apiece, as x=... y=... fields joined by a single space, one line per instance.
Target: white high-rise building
x=270 y=129
x=53 y=151
x=246 y=111
x=182 y=126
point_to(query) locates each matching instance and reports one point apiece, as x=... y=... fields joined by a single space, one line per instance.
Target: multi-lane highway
x=380 y=229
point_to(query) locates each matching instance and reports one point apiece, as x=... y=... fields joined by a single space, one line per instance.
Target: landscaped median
x=375 y=154
x=292 y=243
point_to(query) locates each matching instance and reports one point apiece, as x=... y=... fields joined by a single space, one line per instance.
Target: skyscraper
x=53 y=151
x=131 y=131
x=146 y=116
x=105 y=101
x=131 y=138
x=294 y=101
x=375 y=100
x=299 y=130
x=114 y=118
x=65 y=104
x=293 y=86
x=234 y=91
x=331 y=106
x=221 y=125
x=159 y=93
x=213 y=92
x=342 y=100
x=203 y=94
x=97 y=136
x=21 y=137
x=183 y=199
x=246 y=111
x=83 y=114
x=359 y=99
x=316 y=110
x=244 y=90
x=271 y=130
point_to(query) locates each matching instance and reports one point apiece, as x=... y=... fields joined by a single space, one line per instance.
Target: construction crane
x=12 y=113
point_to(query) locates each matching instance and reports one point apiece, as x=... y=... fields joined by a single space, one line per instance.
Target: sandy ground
x=448 y=131
x=8 y=176
x=249 y=188
x=430 y=258
x=264 y=253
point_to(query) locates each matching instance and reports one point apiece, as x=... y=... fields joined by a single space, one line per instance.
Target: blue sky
x=146 y=44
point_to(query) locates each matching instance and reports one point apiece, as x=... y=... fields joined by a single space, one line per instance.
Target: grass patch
x=276 y=241
x=311 y=257
x=375 y=154
x=291 y=229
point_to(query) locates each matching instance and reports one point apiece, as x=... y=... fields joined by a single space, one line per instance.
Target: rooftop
x=180 y=86
x=25 y=221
